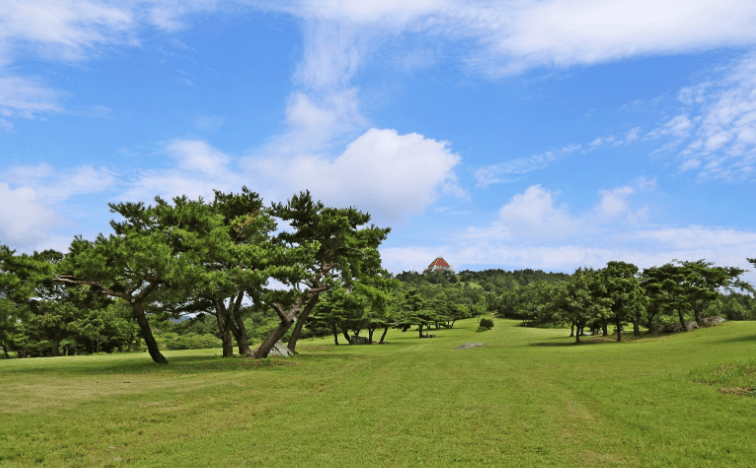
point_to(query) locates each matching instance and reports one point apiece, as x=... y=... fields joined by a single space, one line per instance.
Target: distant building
x=439 y=264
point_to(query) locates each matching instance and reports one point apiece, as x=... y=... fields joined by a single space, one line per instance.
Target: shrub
x=486 y=323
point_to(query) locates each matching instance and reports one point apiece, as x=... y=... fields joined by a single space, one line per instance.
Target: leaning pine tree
x=328 y=247
x=146 y=251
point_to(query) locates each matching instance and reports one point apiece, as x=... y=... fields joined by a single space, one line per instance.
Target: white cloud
x=389 y=175
x=23 y=97
x=512 y=36
x=30 y=197
x=199 y=168
x=533 y=214
x=24 y=220
x=614 y=202
x=501 y=172
x=716 y=127
x=72 y=31
x=196 y=155
x=52 y=185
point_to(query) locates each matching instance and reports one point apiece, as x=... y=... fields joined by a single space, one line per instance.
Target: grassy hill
x=412 y=402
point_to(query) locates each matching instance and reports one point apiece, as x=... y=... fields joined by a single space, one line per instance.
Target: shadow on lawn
x=739 y=339
x=588 y=340
x=177 y=365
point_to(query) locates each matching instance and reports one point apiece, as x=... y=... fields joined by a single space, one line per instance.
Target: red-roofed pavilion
x=439 y=264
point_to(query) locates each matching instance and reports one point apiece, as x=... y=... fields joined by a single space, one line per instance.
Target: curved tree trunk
x=265 y=347
x=144 y=327
x=345 y=332
x=335 y=335
x=237 y=323
x=681 y=316
x=292 y=345
x=224 y=328
x=383 y=337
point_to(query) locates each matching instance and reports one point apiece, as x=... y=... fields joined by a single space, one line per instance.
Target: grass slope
x=409 y=403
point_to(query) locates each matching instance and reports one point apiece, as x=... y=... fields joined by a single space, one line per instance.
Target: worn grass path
x=409 y=403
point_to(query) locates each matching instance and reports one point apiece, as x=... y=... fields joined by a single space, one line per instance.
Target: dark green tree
x=618 y=286
x=327 y=247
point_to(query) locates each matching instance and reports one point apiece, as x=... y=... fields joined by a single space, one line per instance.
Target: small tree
x=618 y=285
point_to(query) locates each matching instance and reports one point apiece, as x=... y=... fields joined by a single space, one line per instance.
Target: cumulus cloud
x=387 y=174
x=25 y=221
x=534 y=214
x=52 y=185
x=31 y=195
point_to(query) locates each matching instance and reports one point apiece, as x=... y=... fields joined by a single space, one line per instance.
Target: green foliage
x=618 y=294
x=486 y=323
x=535 y=303
x=683 y=287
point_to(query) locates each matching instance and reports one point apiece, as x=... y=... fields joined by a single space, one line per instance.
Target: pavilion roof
x=439 y=262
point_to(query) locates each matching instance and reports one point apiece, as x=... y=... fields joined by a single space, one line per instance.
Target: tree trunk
x=242 y=340
x=682 y=320
x=572 y=329
x=420 y=330
x=292 y=345
x=237 y=321
x=383 y=337
x=577 y=338
x=265 y=347
x=335 y=335
x=55 y=347
x=697 y=314
x=144 y=327
x=223 y=327
x=605 y=328
x=370 y=335
x=5 y=350
x=131 y=340
x=619 y=331
x=346 y=334
x=636 y=326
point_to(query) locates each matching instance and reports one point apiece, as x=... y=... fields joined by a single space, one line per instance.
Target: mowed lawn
x=413 y=402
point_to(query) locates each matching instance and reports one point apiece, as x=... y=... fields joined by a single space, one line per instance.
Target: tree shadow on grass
x=191 y=364
x=740 y=339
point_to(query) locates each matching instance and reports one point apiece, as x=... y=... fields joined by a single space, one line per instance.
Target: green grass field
x=678 y=400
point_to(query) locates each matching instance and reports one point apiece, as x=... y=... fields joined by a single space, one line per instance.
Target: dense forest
x=198 y=274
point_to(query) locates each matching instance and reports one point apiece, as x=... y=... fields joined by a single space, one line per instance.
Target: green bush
x=486 y=323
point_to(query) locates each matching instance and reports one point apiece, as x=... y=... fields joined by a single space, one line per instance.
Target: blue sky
x=545 y=134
